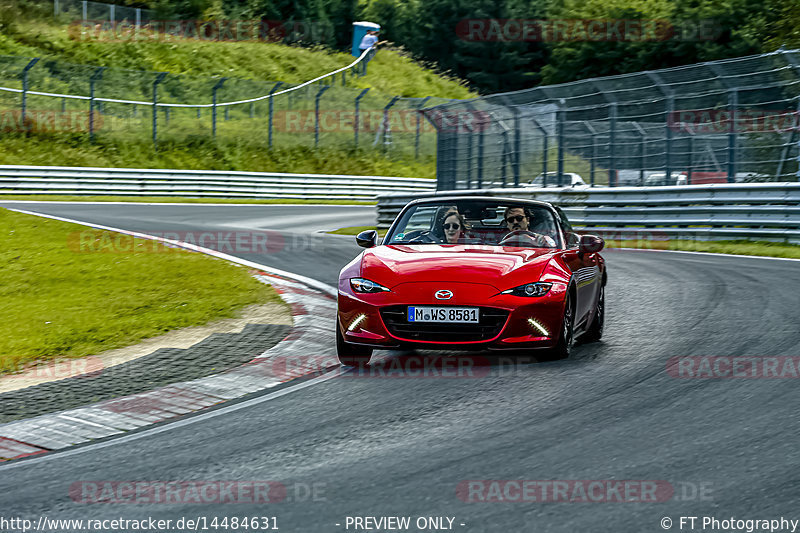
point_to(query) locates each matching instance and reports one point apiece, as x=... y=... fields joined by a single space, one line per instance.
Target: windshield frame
x=444 y=201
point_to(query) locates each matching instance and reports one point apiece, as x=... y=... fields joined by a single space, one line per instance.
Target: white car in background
x=657 y=179
x=568 y=179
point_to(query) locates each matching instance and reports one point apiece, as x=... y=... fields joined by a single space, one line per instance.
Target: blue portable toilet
x=359 y=31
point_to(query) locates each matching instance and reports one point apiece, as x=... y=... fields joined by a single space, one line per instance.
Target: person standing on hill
x=369 y=42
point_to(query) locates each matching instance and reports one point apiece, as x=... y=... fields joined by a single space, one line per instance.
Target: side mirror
x=590 y=244
x=367 y=239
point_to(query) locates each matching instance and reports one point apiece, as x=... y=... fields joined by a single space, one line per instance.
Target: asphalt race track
x=355 y=446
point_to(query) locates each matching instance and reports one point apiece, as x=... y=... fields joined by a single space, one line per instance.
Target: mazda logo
x=443 y=295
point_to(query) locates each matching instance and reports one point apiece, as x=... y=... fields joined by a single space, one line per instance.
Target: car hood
x=498 y=266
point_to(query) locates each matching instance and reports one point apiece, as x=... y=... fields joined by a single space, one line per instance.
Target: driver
x=518 y=220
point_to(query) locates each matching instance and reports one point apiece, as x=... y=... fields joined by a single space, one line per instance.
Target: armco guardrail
x=768 y=211
x=199 y=183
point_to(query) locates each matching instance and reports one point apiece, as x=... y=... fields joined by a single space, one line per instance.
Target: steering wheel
x=537 y=238
x=425 y=236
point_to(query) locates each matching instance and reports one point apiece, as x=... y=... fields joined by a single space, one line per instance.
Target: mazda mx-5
x=467 y=272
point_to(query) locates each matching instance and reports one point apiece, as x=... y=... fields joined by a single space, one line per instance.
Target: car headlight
x=366 y=286
x=530 y=289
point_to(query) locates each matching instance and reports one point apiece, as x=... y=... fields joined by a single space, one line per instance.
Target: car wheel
x=564 y=346
x=595 y=331
x=351 y=354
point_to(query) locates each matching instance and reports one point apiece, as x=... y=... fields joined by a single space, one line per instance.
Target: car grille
x=491 y=322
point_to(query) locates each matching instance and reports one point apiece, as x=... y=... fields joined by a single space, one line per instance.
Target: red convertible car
x=472 y=272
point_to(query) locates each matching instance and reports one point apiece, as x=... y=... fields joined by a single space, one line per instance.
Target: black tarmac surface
x=401 y=446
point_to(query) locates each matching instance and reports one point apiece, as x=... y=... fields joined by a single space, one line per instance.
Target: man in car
x=517 y=219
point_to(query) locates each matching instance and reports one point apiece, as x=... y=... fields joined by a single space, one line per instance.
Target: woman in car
x=453 y=226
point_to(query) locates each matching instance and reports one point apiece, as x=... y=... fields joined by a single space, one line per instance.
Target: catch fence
x=724 y=121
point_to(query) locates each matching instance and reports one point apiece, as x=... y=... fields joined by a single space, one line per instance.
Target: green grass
x=204 y=154
x=391 y=72
x=355 y=230
x=58 y=299
x=760 y=248
x=166 y=199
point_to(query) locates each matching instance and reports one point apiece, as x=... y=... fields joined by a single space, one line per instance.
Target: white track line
x=200 y=204
x=705 y=253
x=324 y=287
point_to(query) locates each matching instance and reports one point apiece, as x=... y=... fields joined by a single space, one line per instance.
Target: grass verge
x=58 y=300
x=761 y=248
x=355 y=230
x=166 y=199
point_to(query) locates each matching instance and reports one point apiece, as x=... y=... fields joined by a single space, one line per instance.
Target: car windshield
x=477 y=222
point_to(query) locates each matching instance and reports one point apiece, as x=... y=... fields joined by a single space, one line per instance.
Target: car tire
x=351 y=354
x=595 y=331
x=565 y=338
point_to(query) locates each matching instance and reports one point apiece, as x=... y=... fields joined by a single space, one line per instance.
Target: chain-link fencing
x=723 y=121
x=88 y=102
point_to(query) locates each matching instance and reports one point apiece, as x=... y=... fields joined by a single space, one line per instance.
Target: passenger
x=453 y=226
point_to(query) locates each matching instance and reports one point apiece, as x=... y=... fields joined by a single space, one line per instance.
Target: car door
x=585 y=270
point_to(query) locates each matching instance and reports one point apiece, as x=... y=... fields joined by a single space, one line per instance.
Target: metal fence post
x=316 y=113
x=387 y=133
x=517 y=155
x=166 y=115
x=271 y=107
x=214 y=105
x=593 y=133
x=480 y=153
x=670 y=109
x=691 y=158
x=55 y=8
x=98 y=75
x=545 y=148
x=159 y=78
x=733 y=103
x=356 y=121
x=84 y=10
x=561 y=119
x=25 y=87
x=419 y=120
x=471 y=130
x=344 y=78
x=642 y=140
x=138 y=17
x=612 y=148
x=112 y=15
x=252 y=109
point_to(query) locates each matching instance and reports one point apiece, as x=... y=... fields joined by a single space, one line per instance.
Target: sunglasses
x=517 y=218
x=453 y=226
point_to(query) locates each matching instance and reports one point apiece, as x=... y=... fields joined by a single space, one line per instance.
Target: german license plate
x=450 y=315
